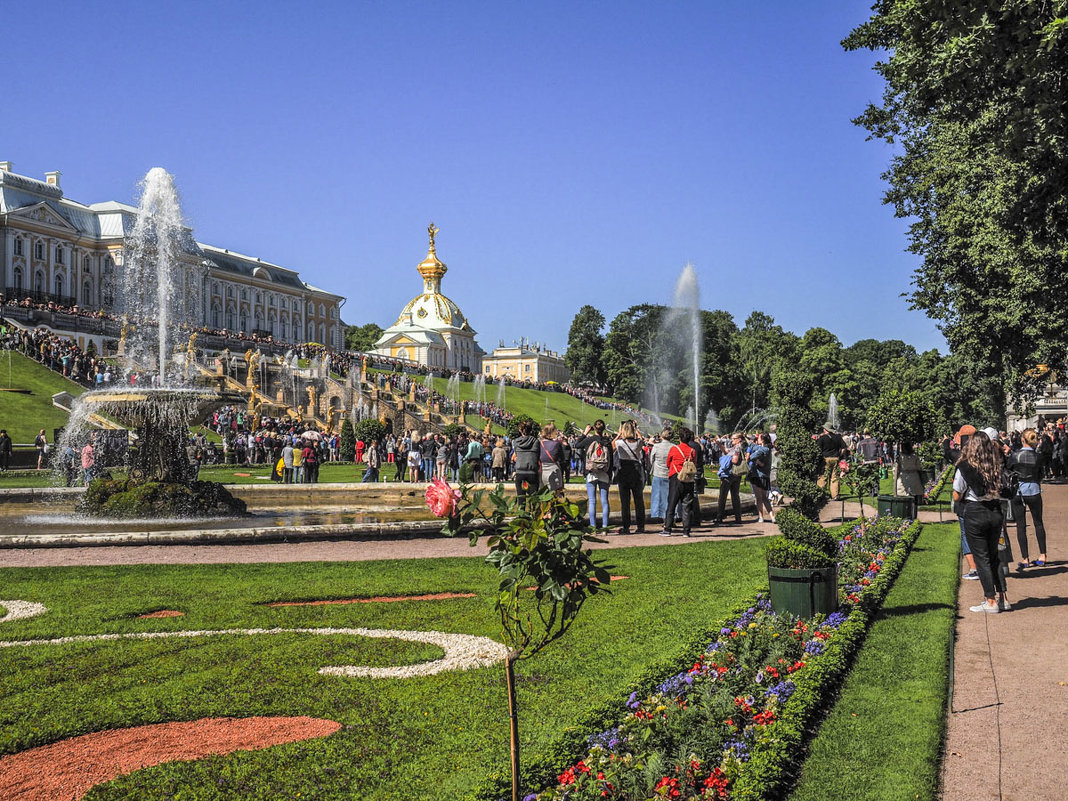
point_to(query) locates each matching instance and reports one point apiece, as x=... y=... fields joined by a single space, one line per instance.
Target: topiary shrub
x=347 y=446
x=795 y=527
x=790 y=555
x=367 y=430
x=452 y=430
x=513 y=424
x=800 y=461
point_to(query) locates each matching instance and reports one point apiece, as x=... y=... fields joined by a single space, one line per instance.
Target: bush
x=348 y=442
x=452 y=430
x=513 y=424
x=797 y=556
x=367 y=430
x=795 y=527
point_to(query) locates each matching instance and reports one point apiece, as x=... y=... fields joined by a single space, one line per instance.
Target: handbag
x=551 y=474
x=741 y=469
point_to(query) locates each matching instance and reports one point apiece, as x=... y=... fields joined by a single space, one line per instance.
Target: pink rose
x=441 y=498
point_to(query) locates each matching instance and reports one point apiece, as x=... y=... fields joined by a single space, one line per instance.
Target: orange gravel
x=379 y=599
x=161 y=613
x=67 y=770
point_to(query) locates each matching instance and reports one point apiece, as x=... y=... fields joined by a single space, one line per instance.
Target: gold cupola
x=432 y=268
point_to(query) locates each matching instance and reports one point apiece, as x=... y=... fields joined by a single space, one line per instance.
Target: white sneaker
x=990 y=607
x=971 y=575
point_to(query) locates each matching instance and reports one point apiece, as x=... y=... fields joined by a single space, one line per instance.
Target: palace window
x=18 y=279
x=38 y=251
x=258 y=298
x=18 y=245
x=109 y=265
x=229 y=291
x=216 y=317
x=59 y=254
x=57 y=284
x=87 y=293
x=244 y=294
x=87 y=265
x=244 y=322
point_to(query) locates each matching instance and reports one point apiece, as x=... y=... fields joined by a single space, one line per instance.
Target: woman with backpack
x=1027 y=468
x=598 y=449
x=630 y=477
x=682 y=476
x=732 y=466
x=760 y=475
x=526 y=450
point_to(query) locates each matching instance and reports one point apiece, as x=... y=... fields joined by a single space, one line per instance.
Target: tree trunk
x=513 y=718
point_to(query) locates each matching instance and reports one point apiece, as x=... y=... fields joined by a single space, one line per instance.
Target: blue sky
x=570 y=153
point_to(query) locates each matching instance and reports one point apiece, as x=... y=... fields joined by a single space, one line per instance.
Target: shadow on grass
x=913 y=609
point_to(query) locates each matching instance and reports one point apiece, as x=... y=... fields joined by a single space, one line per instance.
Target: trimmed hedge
x=797 y=556
x=798 y=528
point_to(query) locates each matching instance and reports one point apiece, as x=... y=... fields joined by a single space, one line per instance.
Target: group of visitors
x=998 y=479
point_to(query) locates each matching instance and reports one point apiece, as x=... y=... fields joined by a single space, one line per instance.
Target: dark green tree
x=513 y=424
x=369 y=429
x=362 y=337
x=902 y=416
x=635 y=357
x=348 y=442
x=585 y=344
x=976 y=100
x=800 y=462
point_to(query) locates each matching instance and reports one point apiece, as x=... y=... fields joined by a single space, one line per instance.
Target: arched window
x=216 y=316
x=259 y=321
x=86 y=265
x=229 y=319
x=38 y=282
x=18 y=245
x=311 y=331
x=18 y=279
x=322 y=310
x=59 y=254
x=57 y=285
x=244 y=321
x=229 y=291
x=109 y=265
x=87 y=293
x=322 y=335
x=38 y=251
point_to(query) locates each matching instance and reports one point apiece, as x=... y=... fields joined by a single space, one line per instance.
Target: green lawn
x=424 y=738
x=883 y=737
x=24 y=415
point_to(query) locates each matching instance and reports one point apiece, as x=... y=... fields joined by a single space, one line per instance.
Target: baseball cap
x=965 y=431
x=991 y=432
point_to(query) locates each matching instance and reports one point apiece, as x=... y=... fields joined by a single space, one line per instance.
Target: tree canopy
x=584 y=345
x=362 y=337
x=976 y=98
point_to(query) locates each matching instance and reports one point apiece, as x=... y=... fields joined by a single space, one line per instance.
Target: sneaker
x=1039 y=563
x=971 y=575
x=1004 y=605
x=666 y=534
x=991 y=607
x=760 y=519
x=1021 y=567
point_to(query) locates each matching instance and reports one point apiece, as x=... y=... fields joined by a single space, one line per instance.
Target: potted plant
x=802 y=567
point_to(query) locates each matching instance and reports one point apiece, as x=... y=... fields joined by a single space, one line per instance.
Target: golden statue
x=432 y=230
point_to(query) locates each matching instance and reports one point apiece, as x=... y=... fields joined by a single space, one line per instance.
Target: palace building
x=525 y=361
x=431 y=329
x=53 y=249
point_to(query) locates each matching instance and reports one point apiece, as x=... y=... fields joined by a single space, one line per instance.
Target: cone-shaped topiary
x=348 y=442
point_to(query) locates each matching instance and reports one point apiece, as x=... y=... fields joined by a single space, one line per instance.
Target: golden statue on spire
x=432 y=230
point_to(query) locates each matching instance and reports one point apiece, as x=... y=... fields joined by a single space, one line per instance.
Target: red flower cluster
x=765 y=717
x=668 y=787
x=569 y=775
x=716 y=785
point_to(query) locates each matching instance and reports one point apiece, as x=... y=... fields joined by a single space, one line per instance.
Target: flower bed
x=934 y=488
x=731 y=723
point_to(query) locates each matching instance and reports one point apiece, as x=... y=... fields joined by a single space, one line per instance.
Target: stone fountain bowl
x=136 y=407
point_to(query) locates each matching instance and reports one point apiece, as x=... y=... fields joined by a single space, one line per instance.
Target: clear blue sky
x=570 y=153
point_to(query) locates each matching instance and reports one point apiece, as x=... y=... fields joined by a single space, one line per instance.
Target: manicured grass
x=883 y=737
x=24 y=415
x=433 y=737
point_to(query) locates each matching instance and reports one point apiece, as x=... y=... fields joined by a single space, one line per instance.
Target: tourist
x=659 y=493
x=472 y=466
x=526 y=452
x=977 y=487
x=565 y=449
x=40 y=442
x=442 y=466
x=69 y=463
x=833 y=449
x=732 y=466
x=414 y=458
x=88 y=459
x=909 y=474
x=310 y=460
x=500 y=460
x=551 y=458
x=682 y=476
x=598 y=449
x=759 y=458
x=951 y=450
x=287 y=462
x=400 y=457
x=1026 y=465
x=428 y=447
x=5 y=450
x=630 y=477
x=374 y=461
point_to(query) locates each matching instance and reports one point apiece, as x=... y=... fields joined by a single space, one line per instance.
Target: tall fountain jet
x=681 y=334
x=155 y=295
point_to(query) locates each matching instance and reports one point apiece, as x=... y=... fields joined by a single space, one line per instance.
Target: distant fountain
x=501 y=395
x=480 y=388
x=712 y=422
x=157 y=299
x=832 y=412
x=452 y=388
x=678 y=347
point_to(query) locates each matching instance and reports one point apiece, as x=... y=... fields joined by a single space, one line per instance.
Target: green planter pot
x=804 y=593
x=903 y=506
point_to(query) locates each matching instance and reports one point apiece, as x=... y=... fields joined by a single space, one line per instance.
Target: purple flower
x=676 y=686
x=834 y=620
x=633 y=702
x=740 y=749
x=814 y=647
x=608 y=740
x=782 y=690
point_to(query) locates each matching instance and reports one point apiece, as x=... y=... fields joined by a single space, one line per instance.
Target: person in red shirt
x=681 y=491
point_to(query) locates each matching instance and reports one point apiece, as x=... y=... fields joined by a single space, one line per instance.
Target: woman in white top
x=977 y=490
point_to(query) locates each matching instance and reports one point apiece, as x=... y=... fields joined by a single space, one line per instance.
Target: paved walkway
x=1008 y=722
